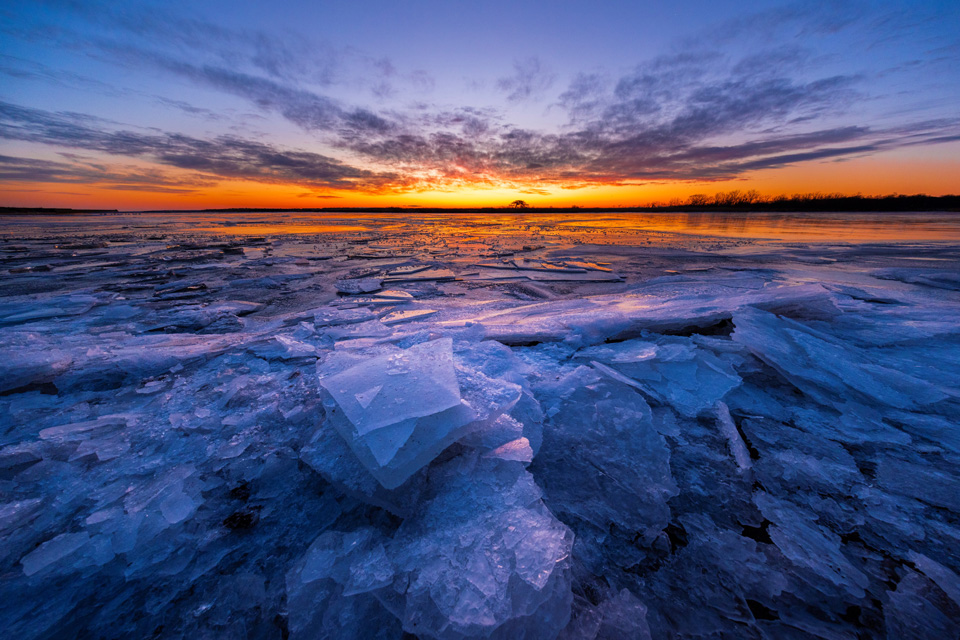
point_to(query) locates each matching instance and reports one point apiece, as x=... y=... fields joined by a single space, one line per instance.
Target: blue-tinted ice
x=267 y=446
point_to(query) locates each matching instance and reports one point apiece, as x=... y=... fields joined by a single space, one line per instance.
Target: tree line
x=752 y=200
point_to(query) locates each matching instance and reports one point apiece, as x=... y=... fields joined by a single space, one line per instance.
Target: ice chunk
x=593 y=266
x=65 y=305
x=419 y=381
x=394 y=294
x=932 y=483
x=503 y=430
x=335 y=317
x=367 y=301
x=603 y=467
x=483 y=559
x=621 y=617
x=15 y=458
x=673 y=371
x=30 y=359
x=942 y=576
x=328 y=590
x=518 y=450
x=428 y=274
x=811 y=547
x=84 y=430
x=408 y=269
x=426 y=402
x=329 y=455
x=729 y=430
x=368 y=329
x=571 y=275
x=540 y=265
x=915 y=611
x=53 y=551
x=359 y=285
x=823 y=367
x=104 y=449
x=397 y=317
x=293 y=348
x=177 y=507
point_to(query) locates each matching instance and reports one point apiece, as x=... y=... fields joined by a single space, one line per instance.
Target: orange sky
x=881 y=174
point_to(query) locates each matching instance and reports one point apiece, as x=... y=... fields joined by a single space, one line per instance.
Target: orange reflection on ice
x=281 y=229
x=785 y=227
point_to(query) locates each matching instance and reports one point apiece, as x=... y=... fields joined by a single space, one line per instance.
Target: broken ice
x=516 y=438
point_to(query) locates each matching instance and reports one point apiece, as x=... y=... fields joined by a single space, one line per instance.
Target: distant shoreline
x=44 y=211
x=796 y=204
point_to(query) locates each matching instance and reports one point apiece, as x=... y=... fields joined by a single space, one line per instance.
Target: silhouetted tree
x=519 y=204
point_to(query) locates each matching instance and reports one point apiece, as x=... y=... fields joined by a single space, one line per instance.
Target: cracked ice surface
x=203 y=437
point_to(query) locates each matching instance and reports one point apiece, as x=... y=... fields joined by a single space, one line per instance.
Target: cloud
x=78 y=171
x=21 y=69
x=530 y=79
x=582 y=99
x=783 y=23
x=290 y=56
x=656 y=122
x=223 y=156
x=188 y=108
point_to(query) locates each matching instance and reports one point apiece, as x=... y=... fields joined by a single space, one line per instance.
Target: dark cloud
x=583 y=98
x=307 y=109
x=223 y=156
x=304 y=108
x=80 y=171
x=769 y=162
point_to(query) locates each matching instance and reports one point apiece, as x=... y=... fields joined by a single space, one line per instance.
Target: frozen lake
x=473 y=425
x=783 y=227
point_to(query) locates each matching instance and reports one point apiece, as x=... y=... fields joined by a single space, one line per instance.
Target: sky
x=181 y=105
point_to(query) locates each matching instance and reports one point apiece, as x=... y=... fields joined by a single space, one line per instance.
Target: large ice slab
x=384 y=391
x=671 y=370
x=604 y=468
x=830 y=371
x=398 y=410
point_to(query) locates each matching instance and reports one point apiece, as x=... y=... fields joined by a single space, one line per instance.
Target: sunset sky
x=149 y=105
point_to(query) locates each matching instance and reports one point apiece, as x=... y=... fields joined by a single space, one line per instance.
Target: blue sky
x=392 y=99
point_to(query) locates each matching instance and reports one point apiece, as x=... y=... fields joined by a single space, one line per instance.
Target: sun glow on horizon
x=869 y=176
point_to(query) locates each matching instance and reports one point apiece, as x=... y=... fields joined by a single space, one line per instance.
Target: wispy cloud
x=530 y=79
x=79 y=171
x=223 y=156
